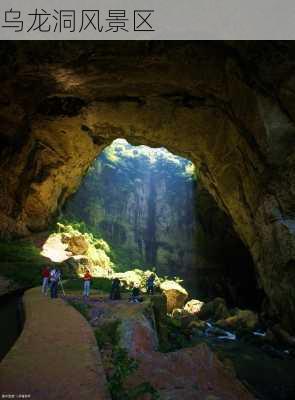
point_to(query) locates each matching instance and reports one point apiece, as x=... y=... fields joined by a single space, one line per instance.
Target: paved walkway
x=55 y=357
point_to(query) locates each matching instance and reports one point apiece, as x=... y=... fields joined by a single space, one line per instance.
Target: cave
x=150 y=207
x=226 y=106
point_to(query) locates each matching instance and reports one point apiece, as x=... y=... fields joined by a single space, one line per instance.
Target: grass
x=107 y=334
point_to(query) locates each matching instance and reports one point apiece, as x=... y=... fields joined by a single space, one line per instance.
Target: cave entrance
x=150 y=207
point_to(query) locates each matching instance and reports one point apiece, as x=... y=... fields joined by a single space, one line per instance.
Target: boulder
x=55 y=249
x=242 y=320
x=175 y=294
x=215 y=310
x=193 y=306
x=193 y=374
x=77 y=244
x=77 y=264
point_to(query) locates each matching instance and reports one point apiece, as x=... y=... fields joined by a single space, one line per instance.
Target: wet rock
x=175 y=294
x=215 y=310
x=193 y=306
x=242 y=320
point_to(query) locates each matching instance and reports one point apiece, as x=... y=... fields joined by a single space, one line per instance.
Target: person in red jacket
x=87 y=279
x=45 y=280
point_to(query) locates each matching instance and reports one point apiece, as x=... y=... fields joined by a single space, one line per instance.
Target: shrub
x=81 y=307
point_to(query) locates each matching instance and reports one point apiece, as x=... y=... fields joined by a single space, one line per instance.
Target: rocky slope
x=229 y=107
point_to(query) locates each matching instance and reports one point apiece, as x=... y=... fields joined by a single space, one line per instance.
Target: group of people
x=136 y=296
x=51 y=278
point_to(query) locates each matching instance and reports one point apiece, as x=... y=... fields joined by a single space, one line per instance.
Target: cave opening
x=150 y=207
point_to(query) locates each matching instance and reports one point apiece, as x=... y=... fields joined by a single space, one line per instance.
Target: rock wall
x=228 y=106
x=143 y=203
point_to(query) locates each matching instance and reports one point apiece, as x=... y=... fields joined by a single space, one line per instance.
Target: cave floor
x=55 y=357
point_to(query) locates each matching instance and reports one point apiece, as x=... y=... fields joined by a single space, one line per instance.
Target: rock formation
x=227 y=106
x=143 y=203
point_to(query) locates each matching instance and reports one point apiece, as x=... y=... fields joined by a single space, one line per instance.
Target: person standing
x=87 y=279
x=115 y=290
x=150 y=284
x=45 y=280
x=54 y=278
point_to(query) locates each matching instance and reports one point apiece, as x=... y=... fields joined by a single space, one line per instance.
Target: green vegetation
x=21 y=262
x=83 y=308
x=120 y=152
x=125 y=259
x=111 y=197
x=73 y=228
x=107 y=334
x=101 y=284
x=172 y=335
x=124 y=367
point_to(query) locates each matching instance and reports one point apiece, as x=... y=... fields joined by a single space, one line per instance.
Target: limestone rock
x=176 y=295
x=215 y=310
x=241 y=320
x=191 y=374
x=193 y=306
x=55 y=249
x=77 y=244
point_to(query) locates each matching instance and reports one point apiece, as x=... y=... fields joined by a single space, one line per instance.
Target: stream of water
x=12 y=318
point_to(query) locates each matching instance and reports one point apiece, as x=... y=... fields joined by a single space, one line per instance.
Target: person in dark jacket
x=115 y=290
x=135 y=295
x=55 y=276
x=151 y=284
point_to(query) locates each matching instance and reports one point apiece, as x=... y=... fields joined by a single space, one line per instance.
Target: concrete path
x=55 y=357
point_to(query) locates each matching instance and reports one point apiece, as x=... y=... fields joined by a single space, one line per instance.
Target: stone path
x=55 y=357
